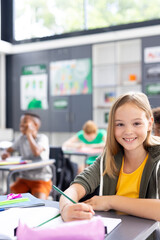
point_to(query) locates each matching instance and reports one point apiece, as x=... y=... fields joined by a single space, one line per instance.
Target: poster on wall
x=33 y=87
x=152 y=54
x=71 y=77
x=153 y=89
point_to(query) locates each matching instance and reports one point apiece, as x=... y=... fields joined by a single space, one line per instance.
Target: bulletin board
x=29 y=89
x=34 y=87
x=71 y=77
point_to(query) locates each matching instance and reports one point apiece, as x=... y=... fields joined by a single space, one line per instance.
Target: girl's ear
x=150 y=123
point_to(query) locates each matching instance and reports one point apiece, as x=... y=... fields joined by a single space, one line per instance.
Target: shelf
x=104 y=53
x=125 y=84
x=128 y=51
x=101 y=117
x=104 y=75
x=116 y=70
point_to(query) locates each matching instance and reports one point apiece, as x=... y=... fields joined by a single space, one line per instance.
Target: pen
x=2 y=209
x=58 y=190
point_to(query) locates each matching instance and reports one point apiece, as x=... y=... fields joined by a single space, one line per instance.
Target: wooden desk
x=11 y=169
x=131 y=228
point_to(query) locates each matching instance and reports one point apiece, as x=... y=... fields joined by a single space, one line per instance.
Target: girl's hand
x=79 y=211
x=99 y=203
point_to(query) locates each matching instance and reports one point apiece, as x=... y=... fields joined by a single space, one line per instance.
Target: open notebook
x=33 y=217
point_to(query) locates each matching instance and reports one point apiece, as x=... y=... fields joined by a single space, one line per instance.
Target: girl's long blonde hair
x=112 y=146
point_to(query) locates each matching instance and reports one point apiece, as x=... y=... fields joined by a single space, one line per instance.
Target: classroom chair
x=65 y=169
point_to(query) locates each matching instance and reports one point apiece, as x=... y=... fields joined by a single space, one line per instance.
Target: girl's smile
x=129 y=139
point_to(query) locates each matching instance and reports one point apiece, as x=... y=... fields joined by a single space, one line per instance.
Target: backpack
x=69 y=172
x=66 y=170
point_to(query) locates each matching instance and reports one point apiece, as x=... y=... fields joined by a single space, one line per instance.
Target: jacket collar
x=111 y=185
x=153 y=158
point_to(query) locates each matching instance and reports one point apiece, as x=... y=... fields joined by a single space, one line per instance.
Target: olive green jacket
x=92 y=177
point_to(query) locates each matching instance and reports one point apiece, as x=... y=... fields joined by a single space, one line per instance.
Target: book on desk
x=29 y=201
x=13 y=161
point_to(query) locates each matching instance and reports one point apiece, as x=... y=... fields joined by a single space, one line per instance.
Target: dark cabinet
x=69 y=113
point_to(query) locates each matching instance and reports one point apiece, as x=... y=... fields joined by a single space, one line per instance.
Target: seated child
x=90 y=137
x=32 y=146
x=128 y=171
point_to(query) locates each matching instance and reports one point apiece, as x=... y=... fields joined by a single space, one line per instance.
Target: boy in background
x=32 y=146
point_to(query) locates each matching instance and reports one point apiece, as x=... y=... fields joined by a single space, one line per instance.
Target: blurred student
x=89 y=137
x=128 y=171
x=156 y=125
x=32 y=146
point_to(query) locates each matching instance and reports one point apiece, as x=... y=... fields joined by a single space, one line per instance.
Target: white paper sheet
x=111 y=223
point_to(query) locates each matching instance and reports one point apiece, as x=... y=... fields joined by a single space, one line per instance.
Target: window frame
x=7 y=28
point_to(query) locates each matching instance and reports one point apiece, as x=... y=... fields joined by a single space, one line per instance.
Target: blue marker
x=2 y=209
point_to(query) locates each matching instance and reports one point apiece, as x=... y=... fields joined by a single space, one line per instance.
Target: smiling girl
x=127 y=173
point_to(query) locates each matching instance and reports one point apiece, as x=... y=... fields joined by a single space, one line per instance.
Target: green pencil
x=58 y=190
x=58 y=215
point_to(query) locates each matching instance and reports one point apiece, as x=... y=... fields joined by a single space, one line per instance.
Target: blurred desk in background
x=30 y=165
x=85 y=151
x=5 y=144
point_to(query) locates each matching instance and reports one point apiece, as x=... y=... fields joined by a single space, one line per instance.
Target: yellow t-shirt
x=129 y=183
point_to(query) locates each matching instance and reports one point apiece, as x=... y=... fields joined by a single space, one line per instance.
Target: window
x=41 y=18
x=106 y=13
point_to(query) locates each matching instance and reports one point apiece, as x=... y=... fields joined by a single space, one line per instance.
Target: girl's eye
x=137 y=123
x=119 y=124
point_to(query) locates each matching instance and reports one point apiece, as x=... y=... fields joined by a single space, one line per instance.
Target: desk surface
x=83 y=152
x=131 y=228
x=11 y=169
x=36 y=164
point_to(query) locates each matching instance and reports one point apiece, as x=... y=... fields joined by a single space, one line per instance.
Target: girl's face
x=131 y=126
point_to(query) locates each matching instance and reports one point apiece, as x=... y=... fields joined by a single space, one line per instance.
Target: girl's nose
x=128 y=129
